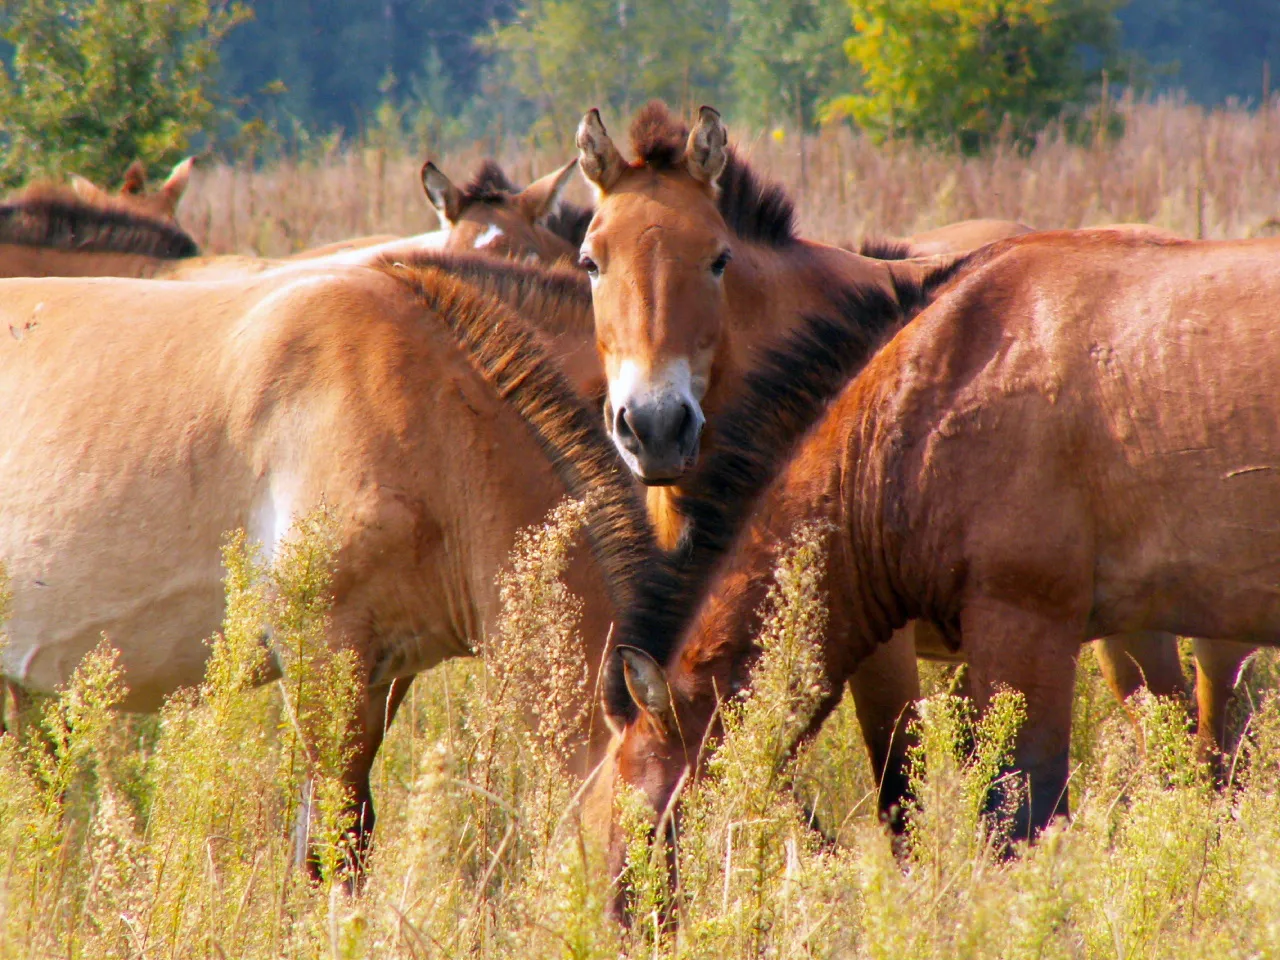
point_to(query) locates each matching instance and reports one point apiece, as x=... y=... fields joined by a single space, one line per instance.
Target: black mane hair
x=885 y=248
x=510 y=357
x=57 y=218
x=782 y=397
x=489 y=184
x=754 y=208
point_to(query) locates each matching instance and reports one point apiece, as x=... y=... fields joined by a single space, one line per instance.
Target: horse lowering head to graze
x=145 y=419
x=492 y=215
x=161 y=203
x=694 y=263
x=1076 y=439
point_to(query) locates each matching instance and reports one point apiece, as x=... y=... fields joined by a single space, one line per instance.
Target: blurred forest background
x=312 y=117
x=86 y=81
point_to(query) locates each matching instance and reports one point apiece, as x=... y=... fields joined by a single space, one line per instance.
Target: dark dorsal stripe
x=754 y=208
x=509 y=357
x=782 y=397
x=883 y=248
x=60 y=220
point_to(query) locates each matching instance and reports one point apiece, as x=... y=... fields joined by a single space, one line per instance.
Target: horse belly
x=144 y=571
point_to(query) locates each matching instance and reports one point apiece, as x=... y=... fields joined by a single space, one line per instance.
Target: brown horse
x=1119 y=387
x=53 y=231
x=1130 y=661
x=493 y=215
x=56 y=231
x=695 y=265
x=161 y=203
x=131 y=447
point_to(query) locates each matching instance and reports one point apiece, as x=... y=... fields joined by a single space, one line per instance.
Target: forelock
x=657 y=138
x=489 y=184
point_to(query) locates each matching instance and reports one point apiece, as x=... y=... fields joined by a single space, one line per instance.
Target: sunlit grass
x=171 y=836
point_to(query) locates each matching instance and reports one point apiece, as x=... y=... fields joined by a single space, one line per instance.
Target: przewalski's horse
x=161 y=203
x=145 y=419
x=59 y=231
x=493 y=215
x=53 y=231
x=1078 y=438
x=1131 y=661
x=695 y=265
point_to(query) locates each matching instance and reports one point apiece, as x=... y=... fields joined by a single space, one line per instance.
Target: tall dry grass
x=1214 y=174
x=168 y=837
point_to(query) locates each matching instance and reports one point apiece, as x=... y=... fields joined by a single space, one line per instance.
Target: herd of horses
x=1015 y=442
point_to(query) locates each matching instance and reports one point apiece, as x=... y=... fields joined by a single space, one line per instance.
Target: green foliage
x=565 y=56
x=94 y=84
x=787 y=58
x=964 y=72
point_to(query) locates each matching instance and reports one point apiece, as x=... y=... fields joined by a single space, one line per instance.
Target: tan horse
x=423 y=413
x=54 y=231
x=160 y=204
x=1056 y=449
x=493 y=215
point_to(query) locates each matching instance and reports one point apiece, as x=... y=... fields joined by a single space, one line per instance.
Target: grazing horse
x=695 y=265
x=1077 y=438
x=1129 y=661
x=145 y=419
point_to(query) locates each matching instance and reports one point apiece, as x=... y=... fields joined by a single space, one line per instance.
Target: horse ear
x=87 y=190
x=175 y=185
x=648 y=687
x=541 y=198
x=600 y=160
x=135 y=179
x=444 y=196
x=707 y=150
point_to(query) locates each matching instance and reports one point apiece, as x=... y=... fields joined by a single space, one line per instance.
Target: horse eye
x=589 y=265
x=722 y=261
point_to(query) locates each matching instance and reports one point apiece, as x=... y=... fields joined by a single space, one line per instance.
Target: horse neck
x=823 y=484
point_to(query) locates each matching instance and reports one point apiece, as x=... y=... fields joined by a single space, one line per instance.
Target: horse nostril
x=689 y=430
x=625 y=429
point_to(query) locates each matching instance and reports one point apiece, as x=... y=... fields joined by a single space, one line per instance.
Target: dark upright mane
x=539 y=292
x=754 y=208
x=509 y=357
x=569 y=222
x=885 y=248
x=55 y=217
x=782 y=397
x=489 y=184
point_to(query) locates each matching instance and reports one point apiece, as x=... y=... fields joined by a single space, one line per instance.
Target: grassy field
x=169 y=837
x=1214 y=174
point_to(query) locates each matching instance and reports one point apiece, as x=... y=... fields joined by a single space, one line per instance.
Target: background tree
x=565 y=56
x=91 y=85
x=787 y=58
x=960 y=71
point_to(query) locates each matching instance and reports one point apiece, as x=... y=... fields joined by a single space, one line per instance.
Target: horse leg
x=14 y=701
x=1148 y=658
x=1218 y=664
x=885 y=688
x=1035 y=654
x=370 y=726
